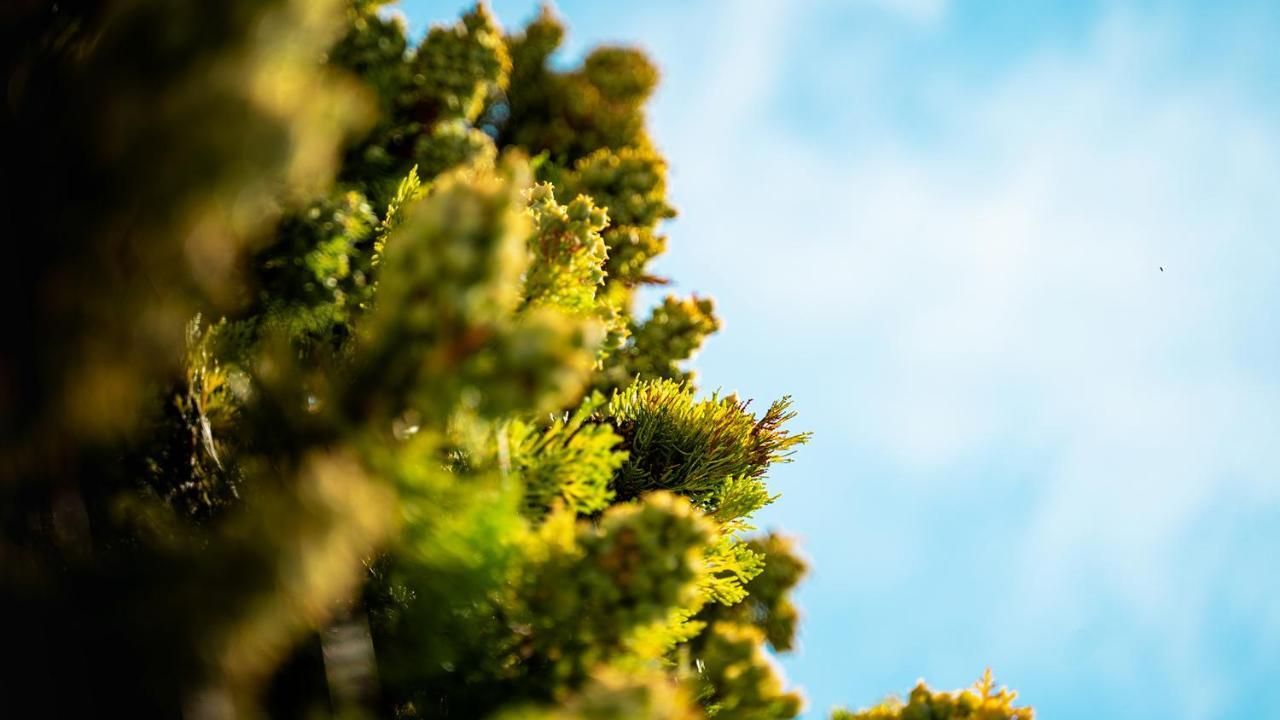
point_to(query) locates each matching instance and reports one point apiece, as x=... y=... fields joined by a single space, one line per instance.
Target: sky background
x=939 y=225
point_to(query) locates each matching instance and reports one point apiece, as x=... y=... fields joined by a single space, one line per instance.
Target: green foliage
x=695 y=447
x=768 y=604
x=452 y=143
x=318 y=272
x=595 y=586
x=184 y=466
x=425 y=462
x=981 y=702
x=569 y=255
x=429 y=96
x=631 y=182
x=445 y=329
x=730 y=565
x=630 y=250
x=741 y=683
x=456 y=68
x=568 y=262
x=614 y=694
x=570 y=462
x=674 y=331
x=572 y=114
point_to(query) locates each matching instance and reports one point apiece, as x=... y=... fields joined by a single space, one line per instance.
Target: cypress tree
x=327 y=394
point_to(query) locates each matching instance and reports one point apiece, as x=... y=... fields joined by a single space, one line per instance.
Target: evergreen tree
x=326 y=394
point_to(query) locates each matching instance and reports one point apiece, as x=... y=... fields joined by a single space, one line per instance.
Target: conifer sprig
x=695 y=447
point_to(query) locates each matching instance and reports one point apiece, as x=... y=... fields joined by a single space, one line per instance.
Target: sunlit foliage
x=983 y=701
x=326 y=395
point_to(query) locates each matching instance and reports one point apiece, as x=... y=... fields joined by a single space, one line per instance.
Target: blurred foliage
x=767 y=603
x=983 y=701
x=326 y=396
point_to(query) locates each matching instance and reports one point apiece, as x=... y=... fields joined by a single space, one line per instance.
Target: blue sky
x=939 y=225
